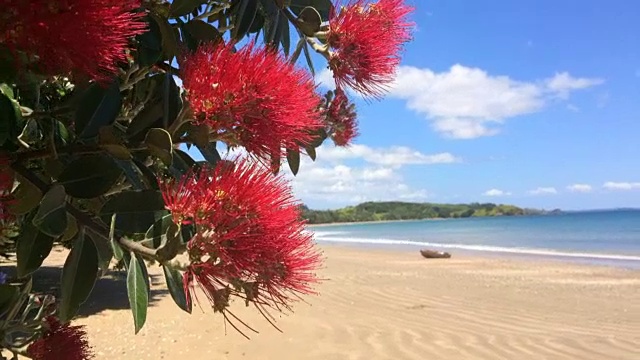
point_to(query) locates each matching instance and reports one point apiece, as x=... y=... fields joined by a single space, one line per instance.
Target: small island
x=396 y=210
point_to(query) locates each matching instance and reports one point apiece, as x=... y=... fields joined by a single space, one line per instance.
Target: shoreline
x=623 y=261
x=375 y=222
x=614 y=261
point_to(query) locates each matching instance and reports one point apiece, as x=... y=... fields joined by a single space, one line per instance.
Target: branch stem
x=82 y=217
x=213 y=11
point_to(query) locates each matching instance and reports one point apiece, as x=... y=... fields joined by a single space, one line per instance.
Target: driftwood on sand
x=432 y=254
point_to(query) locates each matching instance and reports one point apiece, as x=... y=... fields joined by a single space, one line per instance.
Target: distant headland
x=396 y=210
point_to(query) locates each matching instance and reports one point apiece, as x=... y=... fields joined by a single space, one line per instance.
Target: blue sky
x=533 y=103
x=563 y=79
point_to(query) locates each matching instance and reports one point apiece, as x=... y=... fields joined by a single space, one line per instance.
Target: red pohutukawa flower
x=341 y=119
x=250 y=241
x=86 y=38
x=367 y=39
x=61 y=341
x=252 y=97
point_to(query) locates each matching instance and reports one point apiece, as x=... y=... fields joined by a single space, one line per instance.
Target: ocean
x=596 y=237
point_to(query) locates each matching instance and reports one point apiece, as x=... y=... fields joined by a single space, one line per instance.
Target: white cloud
x=342 y=184
x=394 y=156
x=342 y=176
x=496 y=193
x=325 y=78
x=466 y=102
x=583 y=188
x=543 y=191
x=562 y=84
x=611 y=185
x=361 y=173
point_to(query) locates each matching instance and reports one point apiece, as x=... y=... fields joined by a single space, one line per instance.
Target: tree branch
x=72 y=149
x=319 y=48
x=82 y=217
x=213 y=11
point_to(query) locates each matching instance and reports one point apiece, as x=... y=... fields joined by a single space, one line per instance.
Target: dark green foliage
x=395 y=210
x=86 y=156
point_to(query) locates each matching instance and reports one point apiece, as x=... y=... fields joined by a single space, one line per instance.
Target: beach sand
x=388 y=304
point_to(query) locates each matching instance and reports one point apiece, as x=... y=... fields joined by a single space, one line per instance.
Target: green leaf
x=136 y=210
x=201 y=32
x=322 y=6
x=171 y=245
x=153 y=112
x=98 y=107
x=285 y=34
x=244 y=17
x=26 y=197
x=309 y=21
x=8 y=296
x=158 y=231
x=169 y=41
x=307 y=56
x=184 y=7
x=210 y=153
x=105 y=254
x=148 y=176
x=72 y=229
x=6 y=90
x=137 y=291
x=298 y=50
x=182 y=161
x=51 y=217
x=10 y=115
x=14 y=305
x=293 y=158
x=118 y=151
x=149 y=44
x=160 y=145
x=130 y=170
x=311 y=151
x=198 y=134
x=31 y=133
x=320 y=136
x=79 y=275
x=53 y=167
x=272 y=21
x=90 y=176
x=258 y=24
x=32 y=248
x=176 y=289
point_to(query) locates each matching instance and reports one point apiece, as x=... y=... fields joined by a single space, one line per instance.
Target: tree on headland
x=394 y=210
x=101 y=102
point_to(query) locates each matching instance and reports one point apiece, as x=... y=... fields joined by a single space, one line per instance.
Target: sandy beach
x=380 y=304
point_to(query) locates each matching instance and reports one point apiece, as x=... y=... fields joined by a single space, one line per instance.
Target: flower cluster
x=366 y=39
x=86 y=38
x=252 y=97
x=250 y=241
x=341 y=119
x=61 y=341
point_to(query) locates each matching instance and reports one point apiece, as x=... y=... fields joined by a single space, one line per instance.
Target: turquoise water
x=610 y=237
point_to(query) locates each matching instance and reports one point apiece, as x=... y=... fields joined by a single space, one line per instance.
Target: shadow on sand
x=109 y=292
